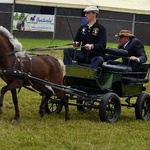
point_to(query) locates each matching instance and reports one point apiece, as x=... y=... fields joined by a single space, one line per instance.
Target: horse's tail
x=62 y=66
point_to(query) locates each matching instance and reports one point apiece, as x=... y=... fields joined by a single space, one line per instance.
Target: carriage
x=102 y=89
x=83 y=87
x=106 y=89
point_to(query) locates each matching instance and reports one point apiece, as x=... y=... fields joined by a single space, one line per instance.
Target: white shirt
x=125 y=45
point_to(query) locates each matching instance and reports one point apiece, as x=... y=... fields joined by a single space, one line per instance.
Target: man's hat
x=91 y=8
x=125 y=33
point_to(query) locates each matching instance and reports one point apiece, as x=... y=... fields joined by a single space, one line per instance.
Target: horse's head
x=8 y=42
x=10 y=48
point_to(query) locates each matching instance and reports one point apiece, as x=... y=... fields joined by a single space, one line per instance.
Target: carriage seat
x=128 y=80
x=116 y=68
x=111 y=68
x=138 y=78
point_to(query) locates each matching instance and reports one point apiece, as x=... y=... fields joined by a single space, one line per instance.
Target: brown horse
x=45 y=67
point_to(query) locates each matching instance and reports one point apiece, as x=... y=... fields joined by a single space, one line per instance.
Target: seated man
x=135 y=49
x=92 y=38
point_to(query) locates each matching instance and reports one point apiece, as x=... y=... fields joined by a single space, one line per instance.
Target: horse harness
x=18 y=72
x=20 y=60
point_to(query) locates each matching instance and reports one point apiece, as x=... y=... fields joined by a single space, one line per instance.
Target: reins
x=7 y=53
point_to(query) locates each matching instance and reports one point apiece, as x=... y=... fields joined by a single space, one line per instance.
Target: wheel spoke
x=110 y=109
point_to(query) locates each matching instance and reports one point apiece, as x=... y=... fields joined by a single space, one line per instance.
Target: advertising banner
x=33 y=22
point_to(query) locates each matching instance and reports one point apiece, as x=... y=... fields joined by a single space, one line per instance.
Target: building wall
x=6 y=15
x=113 y=21
x=68 y=21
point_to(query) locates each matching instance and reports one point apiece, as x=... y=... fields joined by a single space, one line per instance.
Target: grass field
x=84 y=131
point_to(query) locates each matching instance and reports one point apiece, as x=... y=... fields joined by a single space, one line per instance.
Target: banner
x=33 y=22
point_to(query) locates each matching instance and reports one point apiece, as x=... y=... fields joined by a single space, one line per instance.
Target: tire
x=54 y=105
x=83 y=102
x=110 y=108
x=142 y=107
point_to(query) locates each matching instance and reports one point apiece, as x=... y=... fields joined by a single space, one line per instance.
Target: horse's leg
x=47 y=111
x=43 y=104
x=64 y=100
x=65 y=103
x=15 y=101
x=12 y=87
x=3 y=91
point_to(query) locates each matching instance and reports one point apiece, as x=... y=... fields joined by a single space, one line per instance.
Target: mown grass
x=84 y=131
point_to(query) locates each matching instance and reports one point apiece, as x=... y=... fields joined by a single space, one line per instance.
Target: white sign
x=7 y=1
x=33 y=22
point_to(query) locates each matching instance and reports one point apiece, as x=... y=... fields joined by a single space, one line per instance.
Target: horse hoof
x=67 y=118
x=47 y=112
x=1 y=112
x=41 y=112
x=14 y=121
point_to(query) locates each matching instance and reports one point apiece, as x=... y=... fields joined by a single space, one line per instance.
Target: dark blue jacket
x=135 y=48
x=95 y=35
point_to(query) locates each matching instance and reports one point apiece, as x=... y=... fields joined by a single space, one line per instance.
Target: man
x=92 y=39
x=134 y=47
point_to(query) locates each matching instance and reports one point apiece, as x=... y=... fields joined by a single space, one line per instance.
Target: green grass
x=44 y=43
x=84 y=131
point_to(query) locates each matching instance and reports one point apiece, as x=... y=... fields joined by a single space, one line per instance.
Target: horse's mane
x=15 y=43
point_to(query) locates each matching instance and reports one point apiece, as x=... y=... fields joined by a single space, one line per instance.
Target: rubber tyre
x=110 y=108
x=54 y=106
x=142 y=107
x=83 y=108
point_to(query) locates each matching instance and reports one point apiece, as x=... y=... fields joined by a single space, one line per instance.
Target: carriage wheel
x=110 y=108
x=83 y=102
x=142 y=106
x=54 y=105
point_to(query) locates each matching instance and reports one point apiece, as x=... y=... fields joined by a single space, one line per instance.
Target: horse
x=45 y=67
